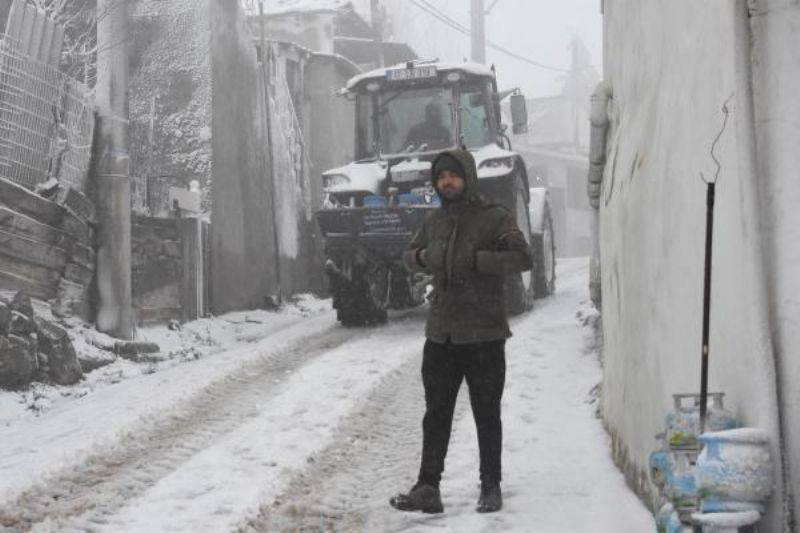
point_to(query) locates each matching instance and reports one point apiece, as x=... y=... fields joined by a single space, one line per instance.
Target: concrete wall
x=242 y=264
x=672 y=64
x=776 y=75
x=330 y=125
x=330 y=131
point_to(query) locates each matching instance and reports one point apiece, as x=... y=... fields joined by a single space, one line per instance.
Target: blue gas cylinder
x=683 y=424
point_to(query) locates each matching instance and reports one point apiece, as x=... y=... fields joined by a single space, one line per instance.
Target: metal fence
x=46 y=122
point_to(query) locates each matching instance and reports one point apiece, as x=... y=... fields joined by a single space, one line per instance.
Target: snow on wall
x=292 y=187
x=312 y=30
x=776 y=86
x=672 y=66
x=170 y=66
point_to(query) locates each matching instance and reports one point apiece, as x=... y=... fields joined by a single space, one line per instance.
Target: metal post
x=115 y=311
x=377 y=28
x=478 y=31
x=151 y=139
x=270 y=163
x=706 y=305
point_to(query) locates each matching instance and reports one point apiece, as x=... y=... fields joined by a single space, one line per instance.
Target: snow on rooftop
x=468 y=67
x=280 y=7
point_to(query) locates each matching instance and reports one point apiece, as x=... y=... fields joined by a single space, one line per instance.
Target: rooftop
x=475 y=69
x=281 y=7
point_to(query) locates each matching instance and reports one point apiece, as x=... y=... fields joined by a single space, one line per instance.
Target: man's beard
x=451 y=195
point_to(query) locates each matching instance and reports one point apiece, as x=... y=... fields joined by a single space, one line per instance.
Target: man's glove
x=419 y=255
x=433 y=258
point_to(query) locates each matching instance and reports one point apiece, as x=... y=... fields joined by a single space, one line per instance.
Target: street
x=313 y=427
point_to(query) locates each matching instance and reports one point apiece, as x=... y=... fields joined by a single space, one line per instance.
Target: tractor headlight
x=334 y=181
x=499 y=162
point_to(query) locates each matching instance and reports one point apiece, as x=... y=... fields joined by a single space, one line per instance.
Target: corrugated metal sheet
x=35 y=34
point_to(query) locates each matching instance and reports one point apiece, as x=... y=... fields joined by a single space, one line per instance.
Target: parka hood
x=467 y=162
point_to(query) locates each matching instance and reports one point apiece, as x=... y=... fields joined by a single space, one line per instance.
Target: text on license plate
x=417 y=73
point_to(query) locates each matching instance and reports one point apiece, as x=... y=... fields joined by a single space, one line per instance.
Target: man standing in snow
x=469 y=246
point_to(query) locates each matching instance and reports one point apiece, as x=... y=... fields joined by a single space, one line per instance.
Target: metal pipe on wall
x=752 y=202
x=600 y=124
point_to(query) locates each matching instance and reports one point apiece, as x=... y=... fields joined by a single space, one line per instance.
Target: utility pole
x=115 y=309
x=270 y=153
x=377 y=29
x=478 y=31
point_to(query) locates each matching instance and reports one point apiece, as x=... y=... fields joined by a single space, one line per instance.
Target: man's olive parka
x=470 y=247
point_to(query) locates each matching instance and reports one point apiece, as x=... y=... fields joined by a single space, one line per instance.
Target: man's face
x=450 y=185
x=433 y=115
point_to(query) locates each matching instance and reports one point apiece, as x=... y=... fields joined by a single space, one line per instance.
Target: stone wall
x=157 y=268
x=170 y=90
x=168 y=270
x=196 y=79
x=672 y=66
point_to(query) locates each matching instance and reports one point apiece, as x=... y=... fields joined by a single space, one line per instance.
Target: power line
x=425 y=5
x=489 y=10
x=455 y=25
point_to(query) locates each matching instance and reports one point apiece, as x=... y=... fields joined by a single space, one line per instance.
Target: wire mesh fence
x=46 y=122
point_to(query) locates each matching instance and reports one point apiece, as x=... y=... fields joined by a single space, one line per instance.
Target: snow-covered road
x=313 y=428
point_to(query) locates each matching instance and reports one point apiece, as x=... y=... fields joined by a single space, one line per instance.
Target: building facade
x=691 y=83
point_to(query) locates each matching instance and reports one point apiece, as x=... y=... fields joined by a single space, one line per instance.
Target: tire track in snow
x=375 y=454
x=83 y=497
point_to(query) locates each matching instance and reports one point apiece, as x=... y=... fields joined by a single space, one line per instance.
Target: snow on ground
x=47 y=428
x=192 y=341
x=558 y=472
x=314 y=427
x=228 y=481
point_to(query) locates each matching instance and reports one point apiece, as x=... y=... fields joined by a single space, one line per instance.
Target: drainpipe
x=748 y=164
x=597 y=164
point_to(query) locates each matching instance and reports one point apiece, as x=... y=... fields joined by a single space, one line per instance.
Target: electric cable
x=455 y=25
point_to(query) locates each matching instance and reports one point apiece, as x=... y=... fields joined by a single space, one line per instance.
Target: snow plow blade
x=385 y=231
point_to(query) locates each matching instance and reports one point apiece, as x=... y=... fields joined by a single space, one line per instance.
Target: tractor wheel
x=519 y=288
x=364 y=300
x=544 y=258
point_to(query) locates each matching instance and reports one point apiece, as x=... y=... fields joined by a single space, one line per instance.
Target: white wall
x=777 y=85
x=672 y=64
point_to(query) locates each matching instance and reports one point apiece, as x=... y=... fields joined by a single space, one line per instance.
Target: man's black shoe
x=425 y=498
x=491 y=499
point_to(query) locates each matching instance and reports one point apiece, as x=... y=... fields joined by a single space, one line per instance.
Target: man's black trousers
x=444 y=367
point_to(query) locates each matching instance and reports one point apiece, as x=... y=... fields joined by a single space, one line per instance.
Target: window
x=476 y=127
x=365 y=130
x=416 y=120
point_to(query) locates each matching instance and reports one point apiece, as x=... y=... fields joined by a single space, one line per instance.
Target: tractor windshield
x=423 y=119
x=406 y=120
